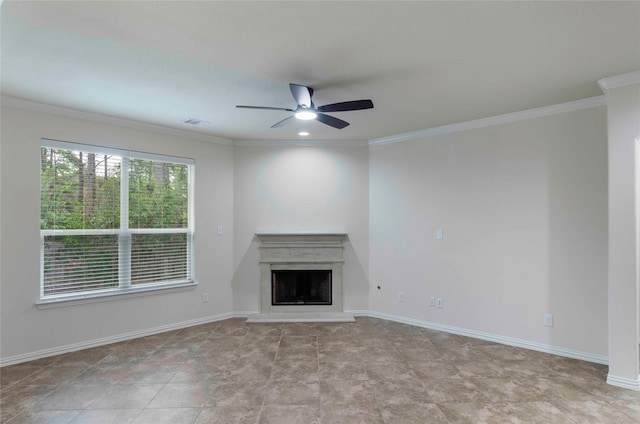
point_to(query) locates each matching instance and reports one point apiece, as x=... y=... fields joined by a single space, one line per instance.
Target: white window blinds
x=113 y=220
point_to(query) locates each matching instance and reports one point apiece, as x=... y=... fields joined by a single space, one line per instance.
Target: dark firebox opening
x=301 y=287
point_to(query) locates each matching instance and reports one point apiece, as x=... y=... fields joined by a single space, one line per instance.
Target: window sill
x=114 y=295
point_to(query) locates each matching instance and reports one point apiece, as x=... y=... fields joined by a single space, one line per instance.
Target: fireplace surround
x=301 y=254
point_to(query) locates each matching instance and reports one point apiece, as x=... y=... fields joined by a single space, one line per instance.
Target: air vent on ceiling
x=196 y=122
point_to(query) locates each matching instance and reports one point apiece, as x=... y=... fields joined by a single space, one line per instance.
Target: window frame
x=124 y=234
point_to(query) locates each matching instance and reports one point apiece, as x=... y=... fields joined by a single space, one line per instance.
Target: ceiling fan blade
x=302 y=94
x=264 y=108
x=346 y=106
x=331 y=121
x=282 y=123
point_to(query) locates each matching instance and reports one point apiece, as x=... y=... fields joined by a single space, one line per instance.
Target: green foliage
x=158 y=195
x=70 y=199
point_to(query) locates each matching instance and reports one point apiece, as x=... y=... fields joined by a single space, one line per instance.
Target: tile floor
x=371 y=371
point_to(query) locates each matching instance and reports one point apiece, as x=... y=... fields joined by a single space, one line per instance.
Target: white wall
x=27 y=330
x=522 y=206
x=300 y=189
x=623 y=108
x=524 y=217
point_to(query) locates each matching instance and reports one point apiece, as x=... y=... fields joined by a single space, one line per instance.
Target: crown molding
x=618 y=81
x=591 y=102
x=105 y=119
x=587 y=103
x=301 y=143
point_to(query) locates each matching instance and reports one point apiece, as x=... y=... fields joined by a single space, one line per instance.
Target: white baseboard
x=625 y=383
x=108 y=340
x=359 y=312
x=560 y=351
x=244 y=314
x=569 y=353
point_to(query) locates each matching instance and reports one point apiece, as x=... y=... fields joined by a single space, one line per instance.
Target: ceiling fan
x=306 y=110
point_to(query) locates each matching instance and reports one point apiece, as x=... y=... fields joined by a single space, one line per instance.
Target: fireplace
x=301 y=277
x=303 y=287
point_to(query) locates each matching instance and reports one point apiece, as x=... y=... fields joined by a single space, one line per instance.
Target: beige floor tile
x=228 y=415
x=370 y=371
x=19 y=397
x=70 y=397
x=301 y=329
x=355 y=413
x=428 y=370
x=416 y=413
x=150 y=373
x=292 y=393
x=483 y=369
x=399 y=392
x=531 y=413
x=419 y=354
x=302 y=371
x=168 y=416
x=298 y=414
x=44 y=417
x=453 y=390
x=346 y=392
x=504 y=353
x=631 y=409
x=472 y=413
x=54 y=375
x=593 y=412
x=342 y=370
x=182 y=395
x=111 y=416
x=15 y=373
x=127 y=396
x=382 y=371
x=103 y=374
x=238 y=394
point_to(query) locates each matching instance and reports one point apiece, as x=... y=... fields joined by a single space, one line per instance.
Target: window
x=113 y=221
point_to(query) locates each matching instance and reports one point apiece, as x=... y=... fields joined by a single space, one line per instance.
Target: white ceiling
x=424 y=64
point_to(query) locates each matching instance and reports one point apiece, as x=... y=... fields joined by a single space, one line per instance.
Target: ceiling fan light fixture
x=307 y=111
x=305 y=115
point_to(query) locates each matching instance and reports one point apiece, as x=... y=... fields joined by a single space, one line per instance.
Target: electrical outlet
x=440 y=303
x=205 y=297
x=401 y=297
x=548 y=320
x=432 y=301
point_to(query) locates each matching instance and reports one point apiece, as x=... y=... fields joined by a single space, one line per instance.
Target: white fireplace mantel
x=301 y=251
